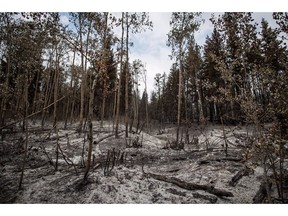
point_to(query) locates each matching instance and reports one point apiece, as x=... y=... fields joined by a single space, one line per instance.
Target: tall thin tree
x=183 y=25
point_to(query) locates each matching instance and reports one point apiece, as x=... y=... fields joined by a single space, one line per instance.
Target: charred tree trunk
x=35 y=98
x=179 y=97
x=114 y=108
x=127 y=78
x=26 y=105
x=104 y=68
x=262 y=192
x=103 y=110
x=70 y=97
x=83 y=77
x=146 y=101
x=73 y=103
x=90 y=127
x=243 y=172
x=57 y=148
x=119 y=82
x=48 y=91
x=84 y=68
x=191 y=186
x=56 y=75
x=5 y=93
x=201 y=114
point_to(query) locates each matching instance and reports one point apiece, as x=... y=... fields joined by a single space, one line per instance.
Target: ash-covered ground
x=123 y=177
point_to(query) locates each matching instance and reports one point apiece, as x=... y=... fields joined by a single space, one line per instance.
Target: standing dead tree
x=119 y=80
x=183 y=26
x=26 y=134
x=113 y=158
x=90 y=126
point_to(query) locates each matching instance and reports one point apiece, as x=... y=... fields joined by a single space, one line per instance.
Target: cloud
x=154 y=64
x=150 y=47
x=64 y=19
x=205 y=29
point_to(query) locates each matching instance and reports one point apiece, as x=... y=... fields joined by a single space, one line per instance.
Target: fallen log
x=190 y=186
x=220 y=159
x=261 y=193
x=106 y=137
x=173 y=170
x=211 y=199
x=179 y=158
x=243 y=172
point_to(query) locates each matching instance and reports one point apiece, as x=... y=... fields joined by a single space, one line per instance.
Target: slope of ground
x=204 y=163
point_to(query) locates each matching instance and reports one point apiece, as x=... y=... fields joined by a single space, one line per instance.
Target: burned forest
x=79 y=122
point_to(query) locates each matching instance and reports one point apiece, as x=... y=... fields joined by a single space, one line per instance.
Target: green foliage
x=183 y=25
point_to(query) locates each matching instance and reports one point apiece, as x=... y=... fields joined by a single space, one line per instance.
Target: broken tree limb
x=103 y=138
x=190 y=186
x=173 y=170
x=68 y=160
x=243 y=172
x=28 y=116
x=211 y=199
x=47 y=155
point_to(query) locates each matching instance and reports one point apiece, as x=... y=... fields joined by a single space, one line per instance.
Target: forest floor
x=131 y=175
